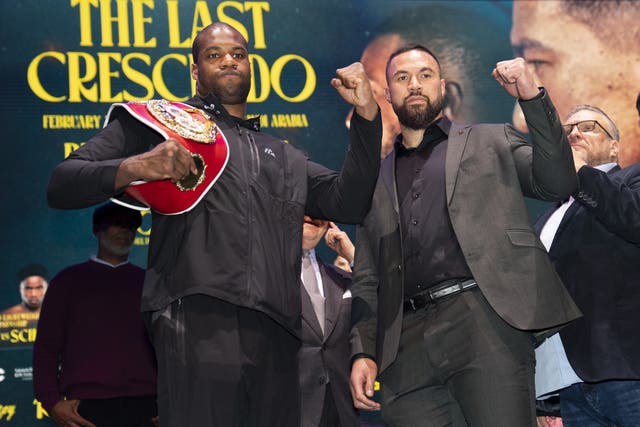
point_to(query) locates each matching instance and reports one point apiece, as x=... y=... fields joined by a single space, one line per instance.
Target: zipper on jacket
x=247 y=189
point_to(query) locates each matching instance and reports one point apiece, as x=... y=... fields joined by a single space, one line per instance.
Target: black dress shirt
x=430 y=247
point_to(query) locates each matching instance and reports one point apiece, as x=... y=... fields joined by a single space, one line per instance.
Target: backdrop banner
x=64 y=62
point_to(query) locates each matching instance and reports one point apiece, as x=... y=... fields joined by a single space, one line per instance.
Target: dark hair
x=107 y=213
x=410 y=47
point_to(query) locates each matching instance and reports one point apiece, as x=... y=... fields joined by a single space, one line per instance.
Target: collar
x=212 y=105
x=606 y=167
x=101 y=261
x=436 y=131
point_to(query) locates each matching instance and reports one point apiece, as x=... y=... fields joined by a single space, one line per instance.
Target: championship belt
x=199 y=134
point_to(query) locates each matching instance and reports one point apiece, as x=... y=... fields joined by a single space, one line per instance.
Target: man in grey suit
x=324 y=356
x=449 y=276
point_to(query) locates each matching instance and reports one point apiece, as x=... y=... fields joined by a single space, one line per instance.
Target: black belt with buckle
x=431 y=295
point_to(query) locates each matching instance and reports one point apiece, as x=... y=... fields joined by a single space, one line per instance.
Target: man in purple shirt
x=93 y=362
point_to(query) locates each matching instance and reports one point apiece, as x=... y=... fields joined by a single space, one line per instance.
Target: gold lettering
x=174 y=26
x=263 y=75
x=200 y=14
x=223 y=17
x=136 y=76
x=138 y=23
x=105 y=75
x=310 y=81
x=77 y=90
x=85 y=20
x=40 y=411
x=33 y=77
x=121 y=20
x=256 y=8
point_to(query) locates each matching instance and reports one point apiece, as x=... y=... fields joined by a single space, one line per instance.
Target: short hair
x=105 y=213
x=408 y=48
x=615 y=133
x=195 y=47
x=611 y=20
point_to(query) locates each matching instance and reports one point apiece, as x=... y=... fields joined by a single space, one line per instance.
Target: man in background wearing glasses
x=594 y=243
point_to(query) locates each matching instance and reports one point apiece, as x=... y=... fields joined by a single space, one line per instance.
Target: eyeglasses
x=585 y=126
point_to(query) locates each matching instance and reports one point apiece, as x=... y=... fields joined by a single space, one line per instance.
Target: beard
x=418 y=116
x=116 y=247
x=230 y=91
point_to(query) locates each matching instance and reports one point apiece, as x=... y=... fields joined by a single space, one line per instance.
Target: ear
x=443 y=87
x=194 y=71
x=613 y=153
x=452 y=100
x=387 y=95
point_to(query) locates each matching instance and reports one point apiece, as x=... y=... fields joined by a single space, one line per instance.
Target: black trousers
x=130 y=411
x=459 y=364
x=224 y=365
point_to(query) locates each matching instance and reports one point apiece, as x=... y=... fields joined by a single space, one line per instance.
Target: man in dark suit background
x=449 y=275
x=324 y=357
x=594 y=243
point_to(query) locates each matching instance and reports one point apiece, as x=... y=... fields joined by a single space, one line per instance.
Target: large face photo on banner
x=65 y=63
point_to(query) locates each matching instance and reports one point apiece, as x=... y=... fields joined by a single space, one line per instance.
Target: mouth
x=230 y=73
x=416 y=99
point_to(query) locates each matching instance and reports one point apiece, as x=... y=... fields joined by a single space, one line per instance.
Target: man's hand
x=339 y=241
x=353 y=85
x=168 y=160
x=363 y=376
x=65 y=414
x=516 y=78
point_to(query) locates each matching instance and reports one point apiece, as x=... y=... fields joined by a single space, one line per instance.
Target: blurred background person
x=93 y=364
x=327 y=335
x=584 y=52
x=593 y=240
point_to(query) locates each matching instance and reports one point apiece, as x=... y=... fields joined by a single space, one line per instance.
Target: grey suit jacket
x=488 y=169
x=325 y=359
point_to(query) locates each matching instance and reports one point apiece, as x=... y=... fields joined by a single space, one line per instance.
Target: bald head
x=212 y=29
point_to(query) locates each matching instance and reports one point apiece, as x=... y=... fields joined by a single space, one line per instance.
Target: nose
x=228 y=61
x=414 y=83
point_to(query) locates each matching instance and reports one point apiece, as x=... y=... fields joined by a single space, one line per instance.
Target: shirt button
x=419 y=286
x=416 y=195
x=414 y=221
x=417 y=170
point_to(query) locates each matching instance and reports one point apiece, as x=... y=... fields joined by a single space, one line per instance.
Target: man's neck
x=411 y=138
x=238 y=110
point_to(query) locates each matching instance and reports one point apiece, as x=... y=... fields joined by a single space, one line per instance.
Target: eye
x=425 y=75
x=213 y=55
x=537 y=64
x=239 y=55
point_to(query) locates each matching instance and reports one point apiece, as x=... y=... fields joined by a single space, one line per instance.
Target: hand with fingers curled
x=167 y=160
x=339 y=241
x=363 y=376
x=516 y=77
x=65 y=414
x=353 y=85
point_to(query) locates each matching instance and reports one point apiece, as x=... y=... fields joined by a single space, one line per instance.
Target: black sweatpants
x=224 y=365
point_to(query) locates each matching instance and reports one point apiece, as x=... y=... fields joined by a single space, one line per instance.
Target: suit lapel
x=333 y=297
x=388 y=174
x=455 y=147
